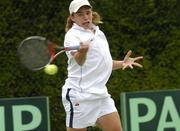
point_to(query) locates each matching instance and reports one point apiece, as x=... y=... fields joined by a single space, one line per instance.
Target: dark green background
x=148 y=27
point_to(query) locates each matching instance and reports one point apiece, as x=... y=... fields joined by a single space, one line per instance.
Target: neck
x=92 y=28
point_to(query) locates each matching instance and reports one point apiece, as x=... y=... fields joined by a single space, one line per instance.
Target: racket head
x=35 y=52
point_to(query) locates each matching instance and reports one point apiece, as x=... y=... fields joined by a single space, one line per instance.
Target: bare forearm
x=117 y=64
x=80 y=57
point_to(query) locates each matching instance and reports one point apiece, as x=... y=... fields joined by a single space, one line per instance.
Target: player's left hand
x=129 y=62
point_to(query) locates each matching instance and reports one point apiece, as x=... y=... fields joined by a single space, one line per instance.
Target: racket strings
x=34 y=54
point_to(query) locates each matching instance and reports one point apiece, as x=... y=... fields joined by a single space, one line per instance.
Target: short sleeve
x=71 y=40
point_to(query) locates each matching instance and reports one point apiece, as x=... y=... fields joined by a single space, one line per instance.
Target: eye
x=88 y=12
x=80 y=14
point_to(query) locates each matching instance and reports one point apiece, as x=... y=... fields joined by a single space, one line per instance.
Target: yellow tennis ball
x=51 y=69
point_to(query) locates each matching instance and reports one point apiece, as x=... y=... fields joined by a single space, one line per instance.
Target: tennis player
x=85 y=96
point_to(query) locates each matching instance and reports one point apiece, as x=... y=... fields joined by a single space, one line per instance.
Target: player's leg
x=71 y=129
x=109 y=119
x=110 y=122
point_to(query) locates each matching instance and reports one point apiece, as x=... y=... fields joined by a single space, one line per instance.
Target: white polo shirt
x=92 y=76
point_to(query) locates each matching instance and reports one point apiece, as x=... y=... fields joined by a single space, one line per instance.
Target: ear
x=72 y=18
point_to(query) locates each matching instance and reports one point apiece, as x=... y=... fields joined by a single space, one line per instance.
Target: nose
x=85 y=16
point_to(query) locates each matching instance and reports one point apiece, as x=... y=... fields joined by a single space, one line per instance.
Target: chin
x=86 y=26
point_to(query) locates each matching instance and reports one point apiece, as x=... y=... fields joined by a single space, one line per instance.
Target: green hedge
x=149 y=28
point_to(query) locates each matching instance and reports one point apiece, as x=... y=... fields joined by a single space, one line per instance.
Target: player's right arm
x=81 y=54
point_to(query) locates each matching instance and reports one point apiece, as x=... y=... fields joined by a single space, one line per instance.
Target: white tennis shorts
x=82 y=113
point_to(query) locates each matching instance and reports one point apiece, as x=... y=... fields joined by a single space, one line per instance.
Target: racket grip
x=72 y=48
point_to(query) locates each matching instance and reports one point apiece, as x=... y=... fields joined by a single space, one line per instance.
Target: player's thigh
x=72 y=129
x=110 y=122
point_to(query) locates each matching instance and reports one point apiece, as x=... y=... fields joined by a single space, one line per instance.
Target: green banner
x=151 y=110
x=24 y=114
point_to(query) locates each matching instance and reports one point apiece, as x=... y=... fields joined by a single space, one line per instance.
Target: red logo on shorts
x=77 y=104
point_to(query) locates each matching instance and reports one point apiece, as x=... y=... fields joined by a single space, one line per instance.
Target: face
x=83 y=17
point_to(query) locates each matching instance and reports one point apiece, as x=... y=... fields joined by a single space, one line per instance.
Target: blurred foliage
x=149 y=28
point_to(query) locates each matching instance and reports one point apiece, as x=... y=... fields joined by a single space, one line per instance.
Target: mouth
x=86 y=23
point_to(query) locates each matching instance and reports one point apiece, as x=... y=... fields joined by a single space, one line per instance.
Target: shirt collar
x=76 y=26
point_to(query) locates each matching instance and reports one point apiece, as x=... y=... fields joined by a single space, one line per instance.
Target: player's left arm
x=128 y=62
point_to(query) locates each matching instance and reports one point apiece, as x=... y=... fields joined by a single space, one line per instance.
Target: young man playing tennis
x=84 y=94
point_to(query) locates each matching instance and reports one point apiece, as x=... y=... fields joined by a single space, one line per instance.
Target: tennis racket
x=35 y=52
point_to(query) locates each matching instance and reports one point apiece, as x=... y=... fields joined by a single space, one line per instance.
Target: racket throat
x=51 y=59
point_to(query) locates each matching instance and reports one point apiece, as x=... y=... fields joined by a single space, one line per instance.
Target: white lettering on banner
x=17 y=117
x=2 y=119
x=169 y=107
x=134 y=112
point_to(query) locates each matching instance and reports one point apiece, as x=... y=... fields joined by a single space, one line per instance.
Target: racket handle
x=72 y=48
